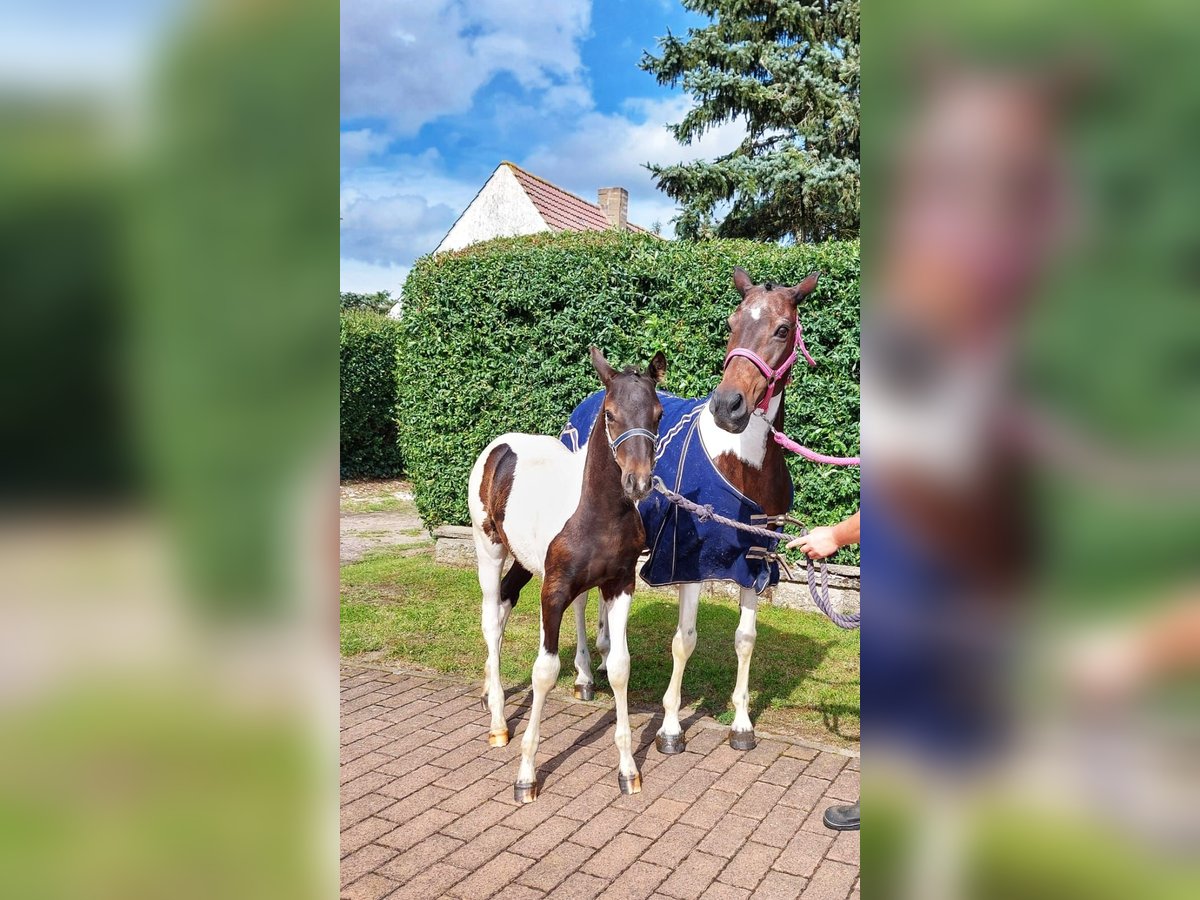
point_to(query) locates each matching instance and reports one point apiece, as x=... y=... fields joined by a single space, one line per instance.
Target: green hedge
x=495 y=339
x=369 y=448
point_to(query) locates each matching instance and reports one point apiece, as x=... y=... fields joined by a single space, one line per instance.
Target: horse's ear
x=741 y=280
x=603 y=369
x=806 y=287
x=658 y=367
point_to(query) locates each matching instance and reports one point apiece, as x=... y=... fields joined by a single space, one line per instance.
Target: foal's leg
x=490 y=560
x=545 y=674
x=618 y=676
x=603 y=642
x=670 y=737
x=741 y=737
x=514 y=579
x=584 y=688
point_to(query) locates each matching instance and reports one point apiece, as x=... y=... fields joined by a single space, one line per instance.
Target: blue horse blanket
x=682 y=548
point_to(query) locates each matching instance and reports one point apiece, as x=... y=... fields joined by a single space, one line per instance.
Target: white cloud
x=392 y=213
x=420 y=173
x=395 y=227
x=405 y=64
x=611 y=149
x=412 y=62
x=396 y=212
x=360 y=146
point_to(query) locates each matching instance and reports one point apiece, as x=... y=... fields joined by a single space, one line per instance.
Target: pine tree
x=789 y=70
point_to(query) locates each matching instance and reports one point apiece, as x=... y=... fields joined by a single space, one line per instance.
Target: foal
x=573 y=519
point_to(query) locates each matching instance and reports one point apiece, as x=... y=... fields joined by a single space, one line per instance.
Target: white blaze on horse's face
x=764 y=324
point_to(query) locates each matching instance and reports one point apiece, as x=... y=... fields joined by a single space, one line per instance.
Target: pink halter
x=778 y=375
x=783 y=374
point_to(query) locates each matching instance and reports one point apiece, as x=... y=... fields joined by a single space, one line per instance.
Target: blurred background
x=167 y=506
x=1031 y=431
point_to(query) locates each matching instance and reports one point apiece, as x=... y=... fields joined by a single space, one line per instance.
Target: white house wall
x=500 y=209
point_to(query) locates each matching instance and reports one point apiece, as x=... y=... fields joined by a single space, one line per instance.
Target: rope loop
x=819 y=590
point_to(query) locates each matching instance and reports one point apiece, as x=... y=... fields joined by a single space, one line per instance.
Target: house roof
x=562 y=210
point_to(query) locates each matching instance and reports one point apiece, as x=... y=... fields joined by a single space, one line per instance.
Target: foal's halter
x=780 y=375
x=614 y=443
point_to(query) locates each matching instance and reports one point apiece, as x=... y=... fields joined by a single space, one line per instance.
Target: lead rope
x=812 y=455
x=819 y=591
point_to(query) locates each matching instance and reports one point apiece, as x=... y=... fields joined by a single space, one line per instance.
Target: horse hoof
x=669 y=744
x=483 y=702
x=630 y=785
x=498 y=739
x=742 y=740
x=585 y=692
x=525 y=793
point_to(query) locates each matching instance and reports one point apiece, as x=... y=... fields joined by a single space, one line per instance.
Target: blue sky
x=435 y=93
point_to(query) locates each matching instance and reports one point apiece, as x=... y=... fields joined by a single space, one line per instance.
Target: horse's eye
x=608 y=417
x=781 y=331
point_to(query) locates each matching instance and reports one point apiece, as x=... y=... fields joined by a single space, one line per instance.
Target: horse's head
x=631 y=416
x=763 y=342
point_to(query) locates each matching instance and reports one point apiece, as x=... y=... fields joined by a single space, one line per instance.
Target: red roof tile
x=561 y=210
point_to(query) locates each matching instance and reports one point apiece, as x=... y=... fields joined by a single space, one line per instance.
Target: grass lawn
x=373 y=505
x=803 y=680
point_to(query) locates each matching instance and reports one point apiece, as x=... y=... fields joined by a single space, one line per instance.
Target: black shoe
x=842 y=818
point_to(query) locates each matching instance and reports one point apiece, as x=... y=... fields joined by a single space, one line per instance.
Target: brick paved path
x=427 y=807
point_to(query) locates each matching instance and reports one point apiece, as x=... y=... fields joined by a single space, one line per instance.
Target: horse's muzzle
x=730 y=411
x=636 y=486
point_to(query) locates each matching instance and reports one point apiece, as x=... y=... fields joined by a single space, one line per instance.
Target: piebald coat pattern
x=572 y=519
x=737 y=438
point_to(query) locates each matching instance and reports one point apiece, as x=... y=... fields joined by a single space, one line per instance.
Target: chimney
x=614 y=201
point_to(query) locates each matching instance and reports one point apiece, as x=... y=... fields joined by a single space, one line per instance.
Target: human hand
x=817 y=544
